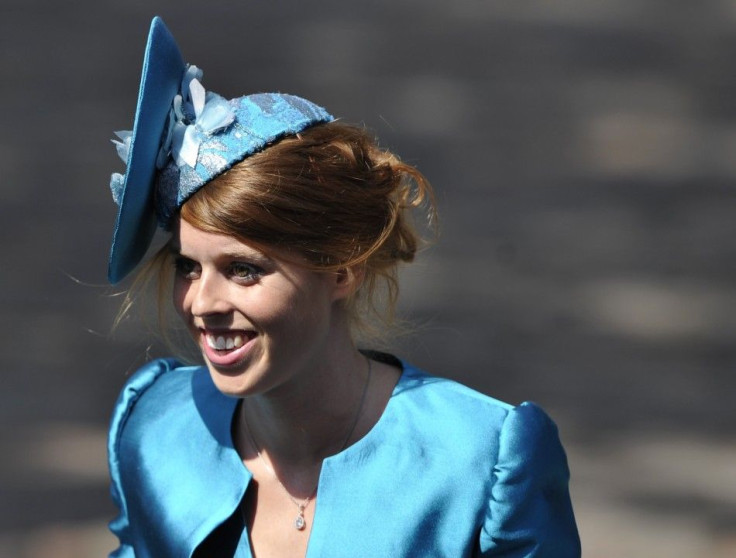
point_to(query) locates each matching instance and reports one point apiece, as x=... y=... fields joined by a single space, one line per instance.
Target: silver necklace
x=299 y=522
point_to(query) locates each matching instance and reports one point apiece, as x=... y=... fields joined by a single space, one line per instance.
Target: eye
x=186 y=268
x=245 y=272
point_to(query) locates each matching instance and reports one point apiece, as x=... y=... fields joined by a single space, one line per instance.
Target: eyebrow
x=248 y=254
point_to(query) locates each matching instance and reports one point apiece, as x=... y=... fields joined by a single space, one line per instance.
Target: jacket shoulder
x=154 y=373
x=158 y=371
x=170 y=443
x=451 y=402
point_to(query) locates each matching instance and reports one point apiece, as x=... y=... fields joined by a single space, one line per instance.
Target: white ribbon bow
x=194 y=118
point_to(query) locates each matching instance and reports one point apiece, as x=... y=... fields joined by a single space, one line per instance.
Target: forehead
x=188 y=238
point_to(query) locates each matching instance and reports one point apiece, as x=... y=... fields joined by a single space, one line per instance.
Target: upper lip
x=224 y=330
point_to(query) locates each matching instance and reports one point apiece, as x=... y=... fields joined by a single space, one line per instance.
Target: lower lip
x=229 y=358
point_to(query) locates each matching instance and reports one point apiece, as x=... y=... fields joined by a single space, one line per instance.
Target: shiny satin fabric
x=446 y=472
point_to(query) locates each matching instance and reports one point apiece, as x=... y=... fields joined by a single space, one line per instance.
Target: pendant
x=299 y=522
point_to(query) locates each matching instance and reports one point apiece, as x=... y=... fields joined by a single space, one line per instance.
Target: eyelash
x=189 y=270
x=254 y=273
x=184 y=268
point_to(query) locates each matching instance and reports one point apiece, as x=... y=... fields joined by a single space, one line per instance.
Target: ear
x=347 y=281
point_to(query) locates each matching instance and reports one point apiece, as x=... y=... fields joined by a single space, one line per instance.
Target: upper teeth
x=221 y=342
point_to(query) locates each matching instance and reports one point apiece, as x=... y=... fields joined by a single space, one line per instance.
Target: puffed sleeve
x=134 y=388
x=530 y=513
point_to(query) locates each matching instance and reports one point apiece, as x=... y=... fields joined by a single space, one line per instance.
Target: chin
x=230 y=382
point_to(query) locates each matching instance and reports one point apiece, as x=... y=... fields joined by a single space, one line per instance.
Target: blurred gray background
x=583 y=156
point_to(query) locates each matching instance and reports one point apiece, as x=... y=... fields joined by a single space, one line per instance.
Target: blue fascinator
x=182 y=138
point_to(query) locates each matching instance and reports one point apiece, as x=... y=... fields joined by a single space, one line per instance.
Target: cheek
x=278 y=309
x=180 y=299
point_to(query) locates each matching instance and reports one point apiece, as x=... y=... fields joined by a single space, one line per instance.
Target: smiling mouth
x=227 y=348
x=225 y=342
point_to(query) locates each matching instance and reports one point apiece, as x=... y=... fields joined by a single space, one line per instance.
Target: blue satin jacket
x=446 y=472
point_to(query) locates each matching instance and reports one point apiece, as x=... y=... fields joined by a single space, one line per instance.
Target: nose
x=209 y=295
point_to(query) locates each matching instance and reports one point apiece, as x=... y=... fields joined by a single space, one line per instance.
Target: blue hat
x=182 y=138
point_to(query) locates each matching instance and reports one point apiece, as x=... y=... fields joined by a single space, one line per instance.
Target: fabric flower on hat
x=195 y=114
x=117 y=180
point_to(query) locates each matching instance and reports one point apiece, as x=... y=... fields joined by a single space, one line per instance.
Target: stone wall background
x=583 y=158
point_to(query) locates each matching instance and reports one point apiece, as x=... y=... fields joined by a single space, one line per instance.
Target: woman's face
x=258 y=320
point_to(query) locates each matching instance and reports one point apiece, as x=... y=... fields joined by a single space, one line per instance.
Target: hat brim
x=163 y=68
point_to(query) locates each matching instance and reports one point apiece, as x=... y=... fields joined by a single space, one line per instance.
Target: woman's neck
x=313 y=417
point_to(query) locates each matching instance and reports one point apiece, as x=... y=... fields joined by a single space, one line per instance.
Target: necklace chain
x=300 y=523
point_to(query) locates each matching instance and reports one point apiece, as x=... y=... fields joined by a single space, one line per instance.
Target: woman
x=289 y=441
